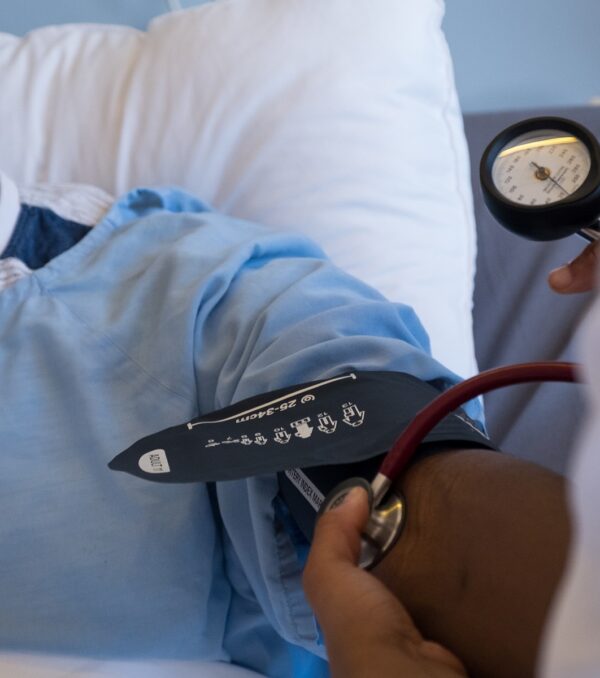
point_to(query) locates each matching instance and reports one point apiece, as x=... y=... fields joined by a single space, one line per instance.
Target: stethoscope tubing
x=428 y=417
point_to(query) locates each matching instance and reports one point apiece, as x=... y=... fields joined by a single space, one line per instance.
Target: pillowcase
x=337 y=118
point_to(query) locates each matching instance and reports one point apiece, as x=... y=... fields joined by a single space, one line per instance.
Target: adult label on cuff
x=348 y=418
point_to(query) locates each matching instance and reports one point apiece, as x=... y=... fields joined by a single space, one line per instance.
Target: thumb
x=367 y=630
x=336 y=541
x=339 y=592
x=578 y=275
x=338 y=531
x=335 y=550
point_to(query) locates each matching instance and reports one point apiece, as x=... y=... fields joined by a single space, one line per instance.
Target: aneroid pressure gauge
x=541 y=179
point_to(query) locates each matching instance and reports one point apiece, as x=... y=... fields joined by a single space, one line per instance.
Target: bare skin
x=578 y=275
x=482 y=556
x=367 y=630
x=475 y=568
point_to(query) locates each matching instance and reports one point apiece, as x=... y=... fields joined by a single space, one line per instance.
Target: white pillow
x=338 y=118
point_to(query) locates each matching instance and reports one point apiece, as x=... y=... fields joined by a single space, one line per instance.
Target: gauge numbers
x=541 y=168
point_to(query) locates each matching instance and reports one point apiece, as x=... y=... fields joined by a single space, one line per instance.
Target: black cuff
x=341 y=420
x=303 y=489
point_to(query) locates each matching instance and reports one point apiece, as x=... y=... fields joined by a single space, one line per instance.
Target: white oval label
x=154 y=462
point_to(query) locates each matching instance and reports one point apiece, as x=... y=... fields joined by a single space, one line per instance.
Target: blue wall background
x=507 y=54
x=524 y=53
x=19 y=16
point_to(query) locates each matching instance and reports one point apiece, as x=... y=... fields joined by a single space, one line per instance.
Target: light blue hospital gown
x=164 y=311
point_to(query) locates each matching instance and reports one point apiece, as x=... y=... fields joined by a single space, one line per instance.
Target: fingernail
x=562 y=277
x=355 y=496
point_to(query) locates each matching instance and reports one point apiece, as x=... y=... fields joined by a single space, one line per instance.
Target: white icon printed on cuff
x=154 y=462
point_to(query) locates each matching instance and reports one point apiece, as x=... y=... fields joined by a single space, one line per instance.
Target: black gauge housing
x=544 y=222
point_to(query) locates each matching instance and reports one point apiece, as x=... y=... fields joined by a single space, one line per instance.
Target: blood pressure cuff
x=312 y=435
x=399 y=398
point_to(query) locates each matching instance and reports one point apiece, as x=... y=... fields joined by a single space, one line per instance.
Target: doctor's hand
x=578 y=275
x=367 y=631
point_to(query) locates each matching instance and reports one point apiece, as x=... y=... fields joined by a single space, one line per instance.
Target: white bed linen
x=9 y=209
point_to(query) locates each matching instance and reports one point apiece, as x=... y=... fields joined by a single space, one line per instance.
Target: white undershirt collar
x=10 y=207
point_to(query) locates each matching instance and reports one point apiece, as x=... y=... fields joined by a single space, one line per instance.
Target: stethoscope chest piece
x=384 y=525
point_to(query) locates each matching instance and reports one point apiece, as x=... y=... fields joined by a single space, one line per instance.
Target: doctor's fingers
x=367 y=630
x=340 y=593
x=578 y=275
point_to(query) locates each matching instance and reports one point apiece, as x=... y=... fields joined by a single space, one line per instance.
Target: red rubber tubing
x=427 y=418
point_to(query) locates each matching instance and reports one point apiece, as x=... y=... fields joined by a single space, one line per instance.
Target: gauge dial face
x=541 y=168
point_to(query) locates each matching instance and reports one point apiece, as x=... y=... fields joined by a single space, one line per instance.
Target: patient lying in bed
x=163 y=311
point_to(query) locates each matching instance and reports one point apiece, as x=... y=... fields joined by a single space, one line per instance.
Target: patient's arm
x=481 y=555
